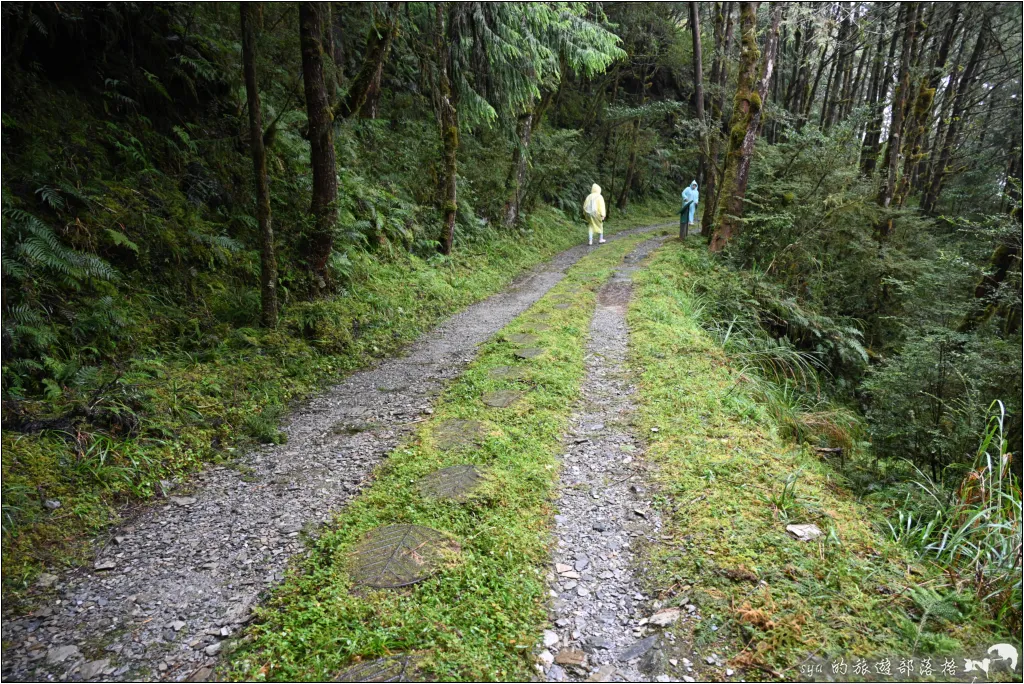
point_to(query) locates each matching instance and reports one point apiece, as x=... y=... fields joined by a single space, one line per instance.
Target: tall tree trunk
x=449 y=119
x=803 y=82
x=319 y=240
x=746 y=120
x=363 y=97
x=873 y=135
x=931 y=197
x=899 y=105
x=812 y=90
x=921 y=113
x=852 y=96
x=841 y=74
x=698 y=87
x=794 y=75
x=627 y=180
x=252 y=17
x=515 y=182
x=826 y=103
x=719 y=76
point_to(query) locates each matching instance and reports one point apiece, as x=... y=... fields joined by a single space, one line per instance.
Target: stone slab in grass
x=540 y=327
x=397 y=556
x=397 y=668
x=563 y=306
x=522 y=338
x=529 y=352
x=452 y=434
x=455 y=483
x=501 y=398
x=506 y=373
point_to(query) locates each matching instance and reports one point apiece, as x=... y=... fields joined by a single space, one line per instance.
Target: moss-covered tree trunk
x=517 y=173
x=698 y=90
x=921 y=113
x=363 y=97
x=746 y=120
x=319 y=239
x=960 y=102
x=893 y=146
x=251 y=17
x=719 y=75
x=448 y=118
x=877 y=91
x=627 y=181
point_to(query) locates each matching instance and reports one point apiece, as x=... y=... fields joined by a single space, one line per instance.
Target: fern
x=121 y=240
x=52 y=197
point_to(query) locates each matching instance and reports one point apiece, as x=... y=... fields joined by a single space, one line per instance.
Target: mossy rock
x=501 y=398
x=398 y=555
x=396 y=668
x=455 y=483
x=506 y=373
x=522 y=338
x=452 y=434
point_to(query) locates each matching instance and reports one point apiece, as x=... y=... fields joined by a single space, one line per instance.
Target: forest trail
x=169 y=585
x=604 y=512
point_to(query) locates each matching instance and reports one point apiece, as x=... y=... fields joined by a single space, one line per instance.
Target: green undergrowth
x=730 y=482
x=479 y=617
x=166 y=413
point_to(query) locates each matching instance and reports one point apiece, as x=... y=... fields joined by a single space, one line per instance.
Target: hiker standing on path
x=594 y=210
x=690 y=199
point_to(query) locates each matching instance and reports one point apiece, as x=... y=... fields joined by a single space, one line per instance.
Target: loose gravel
x=169 y=586
x=604 y=627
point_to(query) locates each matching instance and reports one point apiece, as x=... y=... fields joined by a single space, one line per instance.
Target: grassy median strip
x=731 y=485
x=480 y=616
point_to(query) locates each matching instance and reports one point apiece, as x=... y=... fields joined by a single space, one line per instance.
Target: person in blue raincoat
x=689 y=210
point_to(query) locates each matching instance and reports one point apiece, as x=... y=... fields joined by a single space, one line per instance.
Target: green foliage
x=976 y=533
x=730 y=481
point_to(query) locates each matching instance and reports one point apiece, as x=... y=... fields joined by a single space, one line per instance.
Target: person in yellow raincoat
x=594 y=210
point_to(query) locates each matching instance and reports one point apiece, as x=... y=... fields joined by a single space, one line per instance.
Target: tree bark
x=841 y=75
x=746 y=121
x=795 y=73
x=448 y=115
x=921 y=113
x=698 y=87
x=931 y=197
x=893 y=146
x=517 y=174
x=319 y=240
x=873 y=135
x=627 y=181
x=803 y=82
x=858 y=82
x=363 y=97
x=719 y=76
x=251 y=17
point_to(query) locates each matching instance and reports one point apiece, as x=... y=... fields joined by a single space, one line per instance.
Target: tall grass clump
x=974 y=531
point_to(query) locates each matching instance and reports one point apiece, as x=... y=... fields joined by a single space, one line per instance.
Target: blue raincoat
x=691 y=196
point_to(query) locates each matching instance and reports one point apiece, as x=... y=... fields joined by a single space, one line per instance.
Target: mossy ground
x=197 y=407
x=479 y=618
x=729 y=485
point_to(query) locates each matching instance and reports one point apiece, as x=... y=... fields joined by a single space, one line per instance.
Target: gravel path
x=169 y=585
x=602 y=628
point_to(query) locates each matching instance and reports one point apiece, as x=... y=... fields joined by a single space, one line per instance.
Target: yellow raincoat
x=594 y=210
